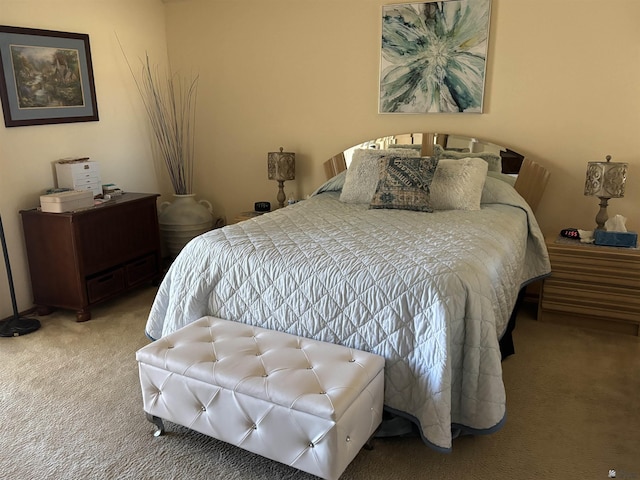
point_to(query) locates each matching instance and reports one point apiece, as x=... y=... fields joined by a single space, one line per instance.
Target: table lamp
x=605 y=180
x=281 y=167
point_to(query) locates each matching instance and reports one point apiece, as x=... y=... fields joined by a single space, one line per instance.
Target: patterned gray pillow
x=493 y=159
x=404 y=183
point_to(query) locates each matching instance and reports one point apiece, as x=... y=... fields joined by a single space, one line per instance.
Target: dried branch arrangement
x=170 y=104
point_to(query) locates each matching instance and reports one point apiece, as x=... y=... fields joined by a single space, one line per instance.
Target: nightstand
x=592 y=286
x=247 y=216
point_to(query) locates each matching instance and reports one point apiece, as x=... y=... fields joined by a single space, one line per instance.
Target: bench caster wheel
x=369 y=444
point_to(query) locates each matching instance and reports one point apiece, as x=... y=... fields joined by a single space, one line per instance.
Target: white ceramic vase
x=182 y=220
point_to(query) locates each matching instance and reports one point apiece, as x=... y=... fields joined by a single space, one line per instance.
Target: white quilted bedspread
x=430 y=292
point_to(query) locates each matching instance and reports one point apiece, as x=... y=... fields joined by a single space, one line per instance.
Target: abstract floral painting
x=434 y=56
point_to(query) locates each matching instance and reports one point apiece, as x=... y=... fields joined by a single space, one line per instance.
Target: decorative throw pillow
x=493 y=159
x=362 y=174
x=458 y=184
x=404 y=183
x=334 y=184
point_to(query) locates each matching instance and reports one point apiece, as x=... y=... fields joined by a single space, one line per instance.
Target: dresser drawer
x=105 y=285
x=77 y=182
x=589 y=299
x=68 y=172
x=617 y=269
x=94 y=188
x=78 y=168
x=142 y=269
x=602 y=278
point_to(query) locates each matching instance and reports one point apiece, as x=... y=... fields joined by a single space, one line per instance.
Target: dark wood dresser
x=78 y=259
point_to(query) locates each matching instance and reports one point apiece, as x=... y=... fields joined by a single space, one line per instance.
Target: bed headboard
x=532 y=177
x=531 y=182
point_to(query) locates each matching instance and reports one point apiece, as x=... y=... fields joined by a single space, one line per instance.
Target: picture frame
x=434 y=56
x=46 y=77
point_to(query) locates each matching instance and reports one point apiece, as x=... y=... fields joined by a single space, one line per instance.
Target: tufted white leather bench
x=308 y=404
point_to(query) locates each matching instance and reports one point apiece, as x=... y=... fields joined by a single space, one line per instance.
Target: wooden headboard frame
x=531 y=182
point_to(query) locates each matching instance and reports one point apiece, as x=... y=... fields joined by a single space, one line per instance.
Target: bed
x=432 y=292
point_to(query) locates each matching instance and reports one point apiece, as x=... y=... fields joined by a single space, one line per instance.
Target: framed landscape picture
x=433 y=57
x=45 y=77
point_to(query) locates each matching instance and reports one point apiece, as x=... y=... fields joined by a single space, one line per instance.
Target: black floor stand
x=16 y=325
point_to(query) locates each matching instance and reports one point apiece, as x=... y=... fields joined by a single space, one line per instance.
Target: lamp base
x=602 y=216
x=17 y=326
x=281 y=196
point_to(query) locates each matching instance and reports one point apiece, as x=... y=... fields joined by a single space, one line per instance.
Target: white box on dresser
x=80 y=175
x=305 y=403
x=66 y=201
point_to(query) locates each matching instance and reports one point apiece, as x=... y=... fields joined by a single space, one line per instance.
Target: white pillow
x=363 y=173
x=493 y=159
x=458 y=184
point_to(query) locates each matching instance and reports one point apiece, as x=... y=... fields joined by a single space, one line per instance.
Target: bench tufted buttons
x=348 y=439
x=309 y=367
x=254 y=426
x=311 y=445
x=203 y=408
x=352 y=360
x=323 y=393
x=264 y=375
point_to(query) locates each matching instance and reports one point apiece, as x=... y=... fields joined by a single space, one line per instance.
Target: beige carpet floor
x=70 y=408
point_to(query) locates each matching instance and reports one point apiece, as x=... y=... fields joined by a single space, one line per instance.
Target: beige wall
x=118 y=141
x=562 y=88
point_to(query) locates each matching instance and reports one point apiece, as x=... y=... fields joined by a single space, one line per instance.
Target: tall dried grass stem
x=170 y=104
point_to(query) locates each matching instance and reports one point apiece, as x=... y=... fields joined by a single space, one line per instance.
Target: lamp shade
x=282 y=165
x=606 y=179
